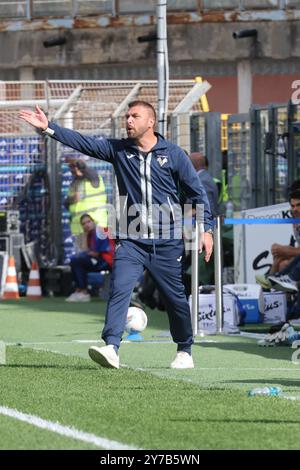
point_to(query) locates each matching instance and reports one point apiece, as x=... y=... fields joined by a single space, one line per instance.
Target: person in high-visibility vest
x=87 y=194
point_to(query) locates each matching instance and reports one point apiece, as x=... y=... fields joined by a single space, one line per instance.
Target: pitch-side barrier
x=218 y=261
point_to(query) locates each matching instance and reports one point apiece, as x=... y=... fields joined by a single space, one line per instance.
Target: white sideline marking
x=252 y=335
x=89 y=341
x=294 y=398
x=28 y=343
x=65 y=430
x=214 y=368
x=244 y=368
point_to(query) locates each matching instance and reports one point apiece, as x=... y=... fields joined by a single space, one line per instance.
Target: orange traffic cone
x=34 y=290
x=11 y=290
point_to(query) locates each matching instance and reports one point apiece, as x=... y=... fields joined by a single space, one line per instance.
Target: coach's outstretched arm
x=94 y=147
x=37 y=118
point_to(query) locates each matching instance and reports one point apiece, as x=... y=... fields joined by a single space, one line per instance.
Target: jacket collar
x=160 y=144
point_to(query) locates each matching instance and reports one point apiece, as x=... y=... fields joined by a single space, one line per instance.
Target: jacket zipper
x=171 y=208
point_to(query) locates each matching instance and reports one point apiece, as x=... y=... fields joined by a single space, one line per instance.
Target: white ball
x=136 y=319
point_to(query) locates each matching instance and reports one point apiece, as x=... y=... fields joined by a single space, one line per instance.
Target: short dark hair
x=294 y=194
x=145 y=104
x=294 y=186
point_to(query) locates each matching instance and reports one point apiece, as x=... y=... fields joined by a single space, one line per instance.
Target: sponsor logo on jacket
x=162 y=159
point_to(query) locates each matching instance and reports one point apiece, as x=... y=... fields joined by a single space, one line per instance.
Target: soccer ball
x=136 y=319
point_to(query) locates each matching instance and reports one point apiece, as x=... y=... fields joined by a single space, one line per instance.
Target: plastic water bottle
x=268 y=391
x=229 y=210
x=2 y=353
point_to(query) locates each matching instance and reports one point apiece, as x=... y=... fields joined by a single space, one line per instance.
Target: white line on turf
x=216 y=368
x=293 y=398
x=88 y=341
x=29 y=343
x=245 y=368
x=66 y=431
x=252 y=335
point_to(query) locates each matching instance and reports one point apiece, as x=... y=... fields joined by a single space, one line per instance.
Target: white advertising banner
x=207 y=314
x=252 y=243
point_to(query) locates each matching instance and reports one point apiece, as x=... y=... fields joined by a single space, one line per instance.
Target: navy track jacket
x=144 y=179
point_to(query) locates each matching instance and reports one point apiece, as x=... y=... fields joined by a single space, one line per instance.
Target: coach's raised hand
x=37 y=118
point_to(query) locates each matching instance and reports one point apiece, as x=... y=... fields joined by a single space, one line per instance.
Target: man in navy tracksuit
x=149 y=170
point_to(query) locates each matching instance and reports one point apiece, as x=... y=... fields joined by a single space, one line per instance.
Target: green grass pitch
x=145 y=404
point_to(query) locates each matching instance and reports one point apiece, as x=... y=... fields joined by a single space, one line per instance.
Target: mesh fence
x=239 y=161
x=24 y=186
x=295 y=128
x=92 y=104
x=281 y=161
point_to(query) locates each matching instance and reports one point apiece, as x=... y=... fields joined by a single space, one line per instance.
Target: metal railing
x=31 y=9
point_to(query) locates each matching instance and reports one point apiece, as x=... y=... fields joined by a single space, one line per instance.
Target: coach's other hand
x=206 y=243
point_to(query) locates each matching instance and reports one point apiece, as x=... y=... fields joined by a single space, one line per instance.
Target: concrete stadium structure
x=99 y=41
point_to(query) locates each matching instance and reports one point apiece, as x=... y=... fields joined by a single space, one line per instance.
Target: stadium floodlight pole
x=166 y=74
x=162 y=66
x=74 y=8
x=218 y=274
x=195 y=280
x=29 y=9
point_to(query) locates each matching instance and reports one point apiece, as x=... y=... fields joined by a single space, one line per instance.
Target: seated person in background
x=205 y=270
x=98 y=256
x=200 y=163
x=283 y=255
x=287 y=278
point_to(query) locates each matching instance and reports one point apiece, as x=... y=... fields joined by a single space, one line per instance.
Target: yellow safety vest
x=91 y=202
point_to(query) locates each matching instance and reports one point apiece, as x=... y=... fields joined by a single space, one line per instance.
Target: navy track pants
x=165 y=265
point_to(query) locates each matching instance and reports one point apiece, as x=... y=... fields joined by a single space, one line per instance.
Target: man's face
x=138 y=121
x=295 y=208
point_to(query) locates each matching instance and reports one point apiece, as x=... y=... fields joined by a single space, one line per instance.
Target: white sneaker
x=105 y=356
x=72 y=297
x=79 y=297
x=183 y=360
x=82 y=297
x=284 y=282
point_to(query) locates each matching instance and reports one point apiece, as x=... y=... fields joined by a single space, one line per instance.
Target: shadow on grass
x=281 y=382
x=48 y=366
x=56 y=304
x=229 y=421
x=272 y=352
x=156 y=319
